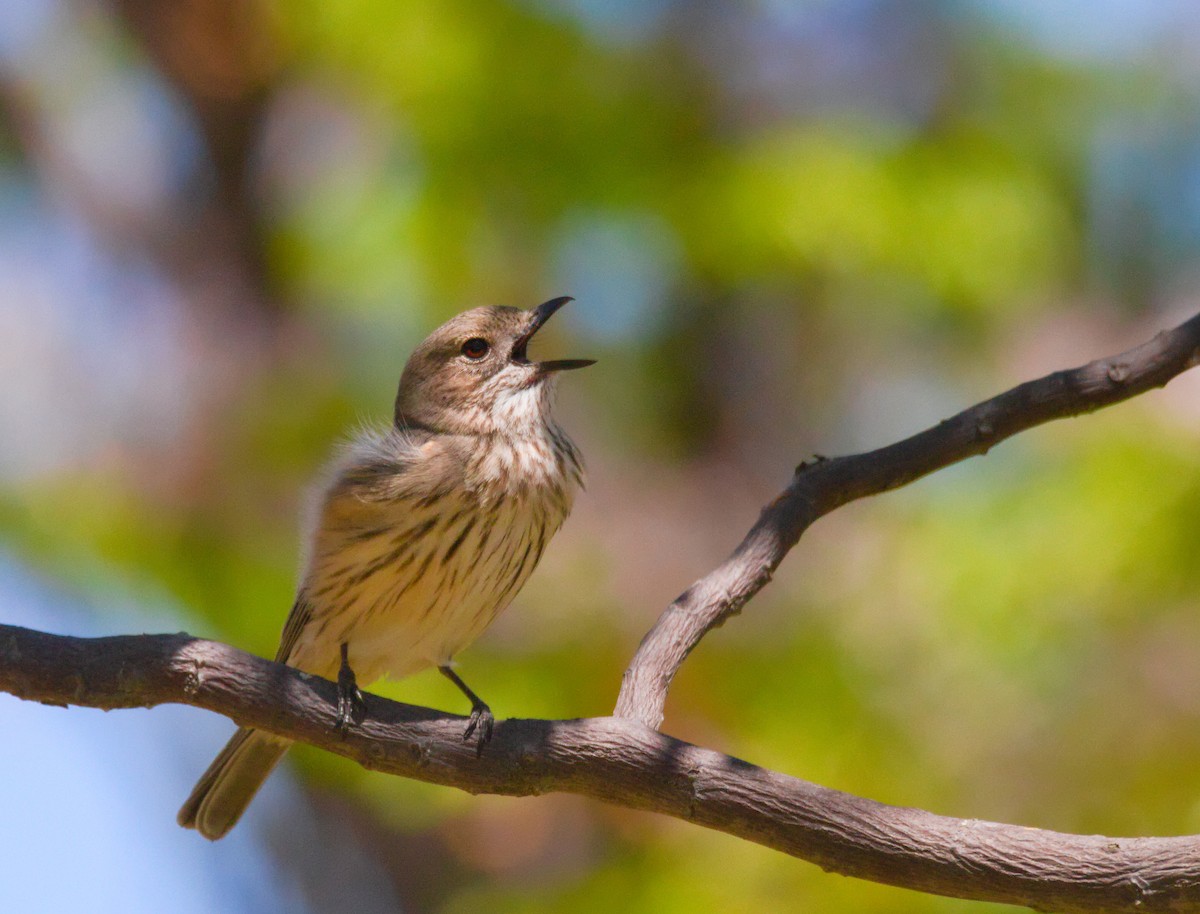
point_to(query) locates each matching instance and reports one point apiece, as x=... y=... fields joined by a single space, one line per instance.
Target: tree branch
x=819 y=488
x=622 y=762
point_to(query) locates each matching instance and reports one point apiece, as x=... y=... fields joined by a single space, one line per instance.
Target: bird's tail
x=231 y=781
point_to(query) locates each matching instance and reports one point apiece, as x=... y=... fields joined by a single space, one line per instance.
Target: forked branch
x=819 y=488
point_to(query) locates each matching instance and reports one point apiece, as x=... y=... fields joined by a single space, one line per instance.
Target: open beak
x=539 y=316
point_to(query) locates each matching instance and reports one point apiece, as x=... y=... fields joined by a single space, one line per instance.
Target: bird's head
x=473 y=375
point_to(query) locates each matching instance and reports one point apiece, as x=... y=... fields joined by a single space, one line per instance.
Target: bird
x=423 y=532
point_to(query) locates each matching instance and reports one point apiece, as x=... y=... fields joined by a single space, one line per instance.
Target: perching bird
x=424 y=534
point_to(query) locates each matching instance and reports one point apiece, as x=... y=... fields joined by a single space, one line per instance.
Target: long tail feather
x=231 y=781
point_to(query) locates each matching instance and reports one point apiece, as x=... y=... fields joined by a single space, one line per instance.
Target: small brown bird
x=424 y=534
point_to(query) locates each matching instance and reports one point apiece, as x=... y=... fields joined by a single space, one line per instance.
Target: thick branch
x=818 y=488
x=622 y=762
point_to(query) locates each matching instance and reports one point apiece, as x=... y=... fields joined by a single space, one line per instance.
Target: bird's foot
x=481 y=722
x=351 y=706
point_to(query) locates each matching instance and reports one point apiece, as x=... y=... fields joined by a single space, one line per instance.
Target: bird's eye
x=475 y=348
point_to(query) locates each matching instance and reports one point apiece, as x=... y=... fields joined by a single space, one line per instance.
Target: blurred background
x=791 y=228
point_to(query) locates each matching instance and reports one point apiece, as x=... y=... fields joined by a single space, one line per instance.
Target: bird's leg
x=350 y=707
x=481 y=715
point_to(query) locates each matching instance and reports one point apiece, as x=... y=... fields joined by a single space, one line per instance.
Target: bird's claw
x=351 y=706
x=483 y=721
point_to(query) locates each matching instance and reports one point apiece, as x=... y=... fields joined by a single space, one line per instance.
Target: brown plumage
x=423 y=533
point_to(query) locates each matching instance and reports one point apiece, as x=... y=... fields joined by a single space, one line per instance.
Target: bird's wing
x=372 y=472
x=296 y=620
